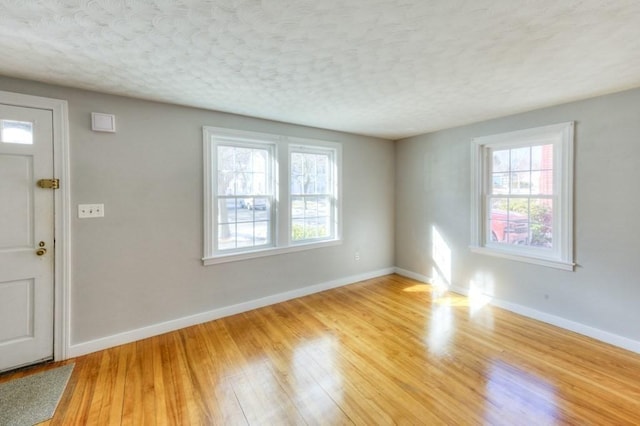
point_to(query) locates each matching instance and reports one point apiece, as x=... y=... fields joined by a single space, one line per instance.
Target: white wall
x=140 y=265
x=603 y=294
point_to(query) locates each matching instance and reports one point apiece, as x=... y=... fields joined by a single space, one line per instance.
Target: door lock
x=49 y=183
x=41 y=251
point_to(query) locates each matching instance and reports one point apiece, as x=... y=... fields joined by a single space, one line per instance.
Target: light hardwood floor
x=383 y=351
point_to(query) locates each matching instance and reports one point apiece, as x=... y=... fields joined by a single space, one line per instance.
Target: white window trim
x=281 y=237
x=563 y=135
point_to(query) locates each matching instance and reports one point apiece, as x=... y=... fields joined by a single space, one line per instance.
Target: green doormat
x=32 y=399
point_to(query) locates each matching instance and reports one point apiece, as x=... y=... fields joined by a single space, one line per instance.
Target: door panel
x=16 y=228
x=16 y=316
x=26 y=225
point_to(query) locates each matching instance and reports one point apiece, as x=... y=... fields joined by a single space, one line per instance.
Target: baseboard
x=413 y=275
x=84 y=348
x=585 y=330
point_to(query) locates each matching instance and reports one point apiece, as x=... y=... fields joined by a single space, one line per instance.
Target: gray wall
x=432 y=190
x=140 y=264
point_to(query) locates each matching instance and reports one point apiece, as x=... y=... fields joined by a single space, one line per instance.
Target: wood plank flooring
x=384 y=351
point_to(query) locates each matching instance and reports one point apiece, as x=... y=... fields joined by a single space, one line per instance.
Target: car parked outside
x=255 y=203
x=509 y=227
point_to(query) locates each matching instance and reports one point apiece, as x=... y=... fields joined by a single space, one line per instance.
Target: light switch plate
x=103 y=122
x=90 y=210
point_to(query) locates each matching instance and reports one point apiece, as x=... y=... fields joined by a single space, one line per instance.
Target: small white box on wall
x=103 y=122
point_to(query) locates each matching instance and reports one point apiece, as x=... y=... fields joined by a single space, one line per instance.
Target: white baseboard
x=586 y=330
x=84 y=348
x=413 y=275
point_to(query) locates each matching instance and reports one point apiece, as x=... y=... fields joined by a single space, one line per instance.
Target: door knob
x=41 y=250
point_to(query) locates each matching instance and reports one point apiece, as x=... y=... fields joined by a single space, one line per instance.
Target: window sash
x=488 y=195
x=262 y=230
x=298 y=231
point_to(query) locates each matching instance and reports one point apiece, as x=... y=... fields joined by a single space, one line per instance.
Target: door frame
x=62 y=209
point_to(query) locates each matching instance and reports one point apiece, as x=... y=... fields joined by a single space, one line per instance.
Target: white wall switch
x=90 y=210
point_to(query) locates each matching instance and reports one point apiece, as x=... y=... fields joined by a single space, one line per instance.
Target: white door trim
x=62 y=209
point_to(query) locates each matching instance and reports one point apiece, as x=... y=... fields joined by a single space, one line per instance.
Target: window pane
x=226 y=183
x=542 y=157
x=297 y=184
x=296 y=163
x=324 y=207
x=240 y=184
x=261 y=209
x=521 y=158
x=245 y=234
x=310 y=184
x=258 y=183
x=226 y=210
x=324 y=227
x=322 y=164
x=520 y=182
x=517 y=231
x=500 y=161
x=310 y=206
x=226 y=237
x=500 y=204
x=541 y=213
x=310 y=164
x=297 y=230
x=509 y=221
x=322 y=184
x=245 y=213
x=261 y=233
x=311 y=228
x=498 y=219
x=500 y=183
x=242 y=159
x=225 y=158
x=297 y=207
x=542 y=182
x=16 y=132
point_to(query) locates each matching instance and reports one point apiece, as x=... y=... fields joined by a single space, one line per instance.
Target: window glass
x=312 y=194
x=244 y=199
x=522 y=217
x=20 y=132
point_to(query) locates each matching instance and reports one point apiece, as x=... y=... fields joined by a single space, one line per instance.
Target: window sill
x=551 y=263
x=271 y=251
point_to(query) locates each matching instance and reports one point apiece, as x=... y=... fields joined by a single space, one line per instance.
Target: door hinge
x=49 y=183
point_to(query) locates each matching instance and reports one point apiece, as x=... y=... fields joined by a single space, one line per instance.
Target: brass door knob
x=41 y=250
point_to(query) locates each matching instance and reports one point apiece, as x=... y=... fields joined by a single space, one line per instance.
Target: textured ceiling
x=389 y=68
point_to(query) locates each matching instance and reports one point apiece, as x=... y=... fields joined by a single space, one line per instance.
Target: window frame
x=281 y=209
x=332 y=194
x=269 y=193
x=561 y=136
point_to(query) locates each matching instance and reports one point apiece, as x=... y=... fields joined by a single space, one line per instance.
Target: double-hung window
x=244 y=195
x=313 y=193
x=522 y=195
x=268 y=194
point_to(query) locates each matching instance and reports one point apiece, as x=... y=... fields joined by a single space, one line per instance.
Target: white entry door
x=26 y=237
